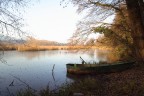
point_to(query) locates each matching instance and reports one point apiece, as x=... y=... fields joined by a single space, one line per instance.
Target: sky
x=48 y=20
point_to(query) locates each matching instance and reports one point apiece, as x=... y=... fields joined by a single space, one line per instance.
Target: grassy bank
x=126 y=83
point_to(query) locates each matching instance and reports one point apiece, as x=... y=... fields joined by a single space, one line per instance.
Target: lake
x=34 y=68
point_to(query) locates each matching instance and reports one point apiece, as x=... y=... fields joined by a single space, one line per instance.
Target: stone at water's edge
x=78 y=94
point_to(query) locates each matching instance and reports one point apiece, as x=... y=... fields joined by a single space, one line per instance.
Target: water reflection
x=37 y=68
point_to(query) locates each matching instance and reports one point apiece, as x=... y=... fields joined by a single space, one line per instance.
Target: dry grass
x=7 y=47
x=40 y=48
x=35 y=47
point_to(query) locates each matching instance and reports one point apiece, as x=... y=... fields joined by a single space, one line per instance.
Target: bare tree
x=10 y=20
x=99 y=10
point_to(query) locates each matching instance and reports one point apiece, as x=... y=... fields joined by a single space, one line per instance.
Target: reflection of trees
x=37 y=54
x=90 y=54
x=101 y=55
x=31 y=55
x=95 y=54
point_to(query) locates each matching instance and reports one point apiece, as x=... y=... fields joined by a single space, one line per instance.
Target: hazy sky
x=46 y=19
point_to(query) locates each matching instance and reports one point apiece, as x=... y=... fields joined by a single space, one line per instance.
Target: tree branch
x=104 y=5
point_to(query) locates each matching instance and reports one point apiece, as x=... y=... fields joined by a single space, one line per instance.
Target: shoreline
x=45 y=48
x=125 y=83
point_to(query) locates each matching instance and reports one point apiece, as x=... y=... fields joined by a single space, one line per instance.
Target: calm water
x=35 y=68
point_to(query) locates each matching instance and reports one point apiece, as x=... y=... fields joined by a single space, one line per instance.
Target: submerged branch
x=27 y=85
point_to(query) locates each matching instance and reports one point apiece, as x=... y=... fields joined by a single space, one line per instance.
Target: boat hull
x=98 y=68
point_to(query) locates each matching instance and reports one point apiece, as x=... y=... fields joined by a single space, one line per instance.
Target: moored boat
x=98 y=68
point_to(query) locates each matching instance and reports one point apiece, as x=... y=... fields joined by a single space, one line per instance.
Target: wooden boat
x=98 y=68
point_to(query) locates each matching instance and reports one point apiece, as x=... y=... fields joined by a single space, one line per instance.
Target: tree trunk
x=141 y=4
x=137 y=26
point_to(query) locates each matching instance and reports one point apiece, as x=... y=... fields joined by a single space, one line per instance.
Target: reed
x=8 y=47
x=41 y=48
